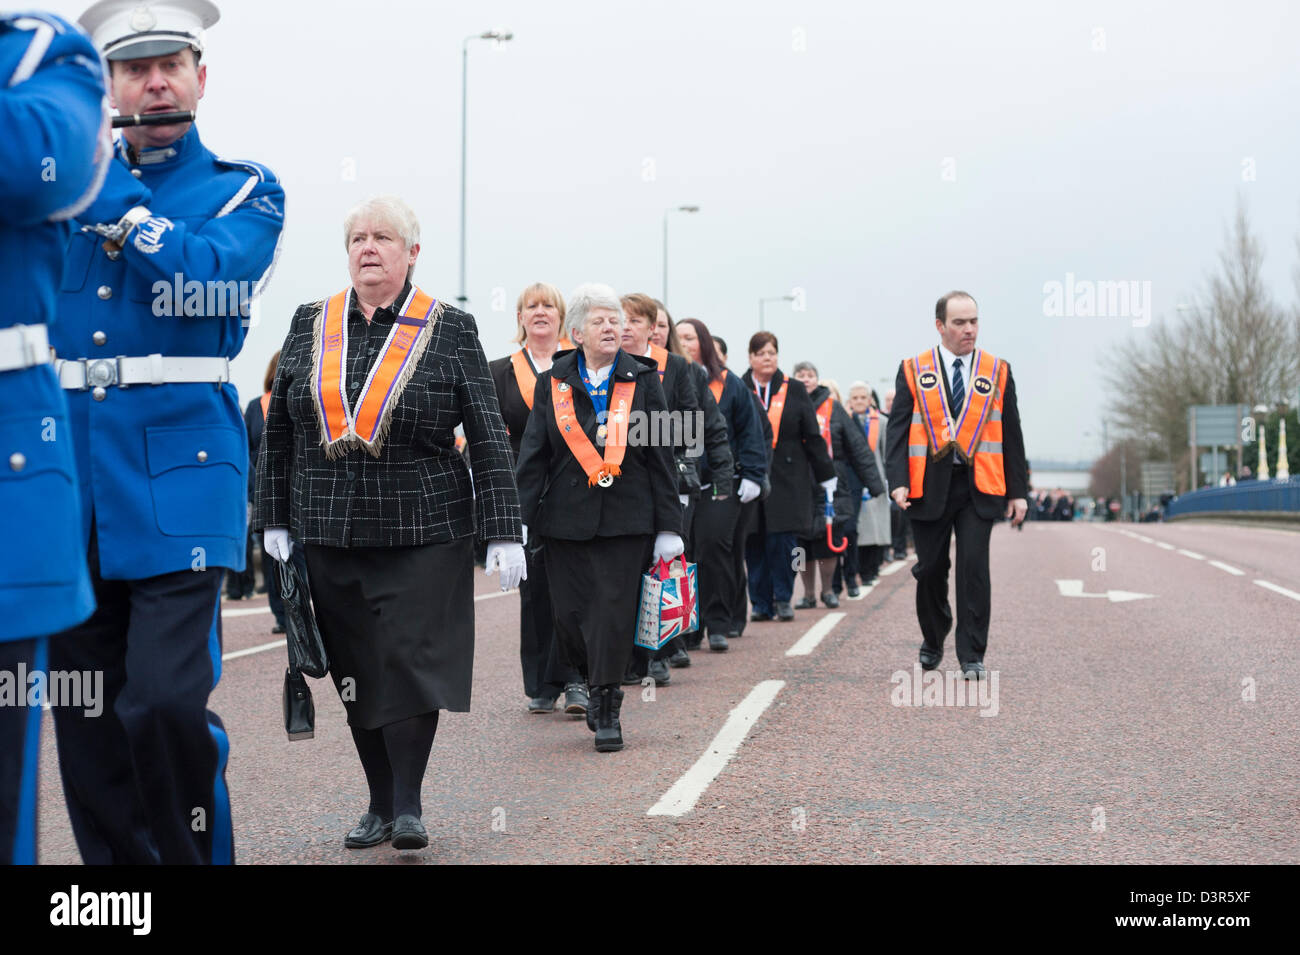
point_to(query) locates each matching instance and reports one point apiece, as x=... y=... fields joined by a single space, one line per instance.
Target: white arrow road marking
x=681 y=798
x=1074 y=588
x=1278 y=590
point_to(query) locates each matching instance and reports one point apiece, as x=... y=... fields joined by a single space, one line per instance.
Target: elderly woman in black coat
x=598 y=489
x=359 y=464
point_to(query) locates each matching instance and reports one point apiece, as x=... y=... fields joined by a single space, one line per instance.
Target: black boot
x=609 y=733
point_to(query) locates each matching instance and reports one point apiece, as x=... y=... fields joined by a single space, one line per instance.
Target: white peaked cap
x=135 y=29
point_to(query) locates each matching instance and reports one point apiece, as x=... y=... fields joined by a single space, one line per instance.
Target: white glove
x=278 y=543
x=748 y=490
x=830 y=485
x=685 y=499
x=508 y=557
x=668 y=546
x=525 y=527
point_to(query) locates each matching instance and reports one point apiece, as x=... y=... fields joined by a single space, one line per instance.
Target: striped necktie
x=958 y=387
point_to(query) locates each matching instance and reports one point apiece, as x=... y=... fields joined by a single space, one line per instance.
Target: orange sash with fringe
x=525 y=377
x=599 y=471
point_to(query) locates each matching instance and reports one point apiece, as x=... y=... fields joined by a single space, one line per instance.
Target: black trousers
x=545 y=674
x=20 y=737
x=899 y=525
x=931 y=573
x=145 y=779
x=595 y=588
x=241 y=584
x=746 y=518
x=715 y=540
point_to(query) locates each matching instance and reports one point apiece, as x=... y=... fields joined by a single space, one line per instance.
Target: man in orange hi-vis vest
x=956 y=462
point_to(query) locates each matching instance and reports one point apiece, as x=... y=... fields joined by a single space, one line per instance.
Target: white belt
x=24 y=346
x=148 y=370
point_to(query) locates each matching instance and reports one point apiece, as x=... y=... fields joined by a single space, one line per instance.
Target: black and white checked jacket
x=419 y=490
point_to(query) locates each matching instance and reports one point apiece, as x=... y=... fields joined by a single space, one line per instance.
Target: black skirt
x=595 y=588
x=398 y=625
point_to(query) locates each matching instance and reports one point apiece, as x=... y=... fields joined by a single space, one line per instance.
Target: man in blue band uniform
x=155 y=293
x=53 y=153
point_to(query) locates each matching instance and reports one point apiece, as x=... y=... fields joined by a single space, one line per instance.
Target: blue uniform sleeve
x=55 y=143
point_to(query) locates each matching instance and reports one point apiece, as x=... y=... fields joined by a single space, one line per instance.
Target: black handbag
x=306 y=654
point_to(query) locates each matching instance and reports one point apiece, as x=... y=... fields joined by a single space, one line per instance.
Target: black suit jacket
x=419 y=490
x=513 y=409
x=716 y=465
x=554 y=496
x=855 y=465
x=938 y=473
x=800 y=456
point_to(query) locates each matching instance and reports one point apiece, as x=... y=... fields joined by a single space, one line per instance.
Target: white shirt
x=948 y=358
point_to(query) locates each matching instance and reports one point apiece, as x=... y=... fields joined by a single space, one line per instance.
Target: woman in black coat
x=359 y=464
x=854 y=467
x=799 y=457
x=604 y=508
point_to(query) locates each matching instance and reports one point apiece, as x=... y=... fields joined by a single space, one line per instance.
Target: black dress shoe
x=370 y=831
x=735 y=634
x=854 y=593
x=679 y=659
x=808 y=603
x=830 y=600
x=717 y=642
x=929 y=659
x=278 y=628
x=757 y=617
x=542 y=704
x=692 y=641
x=629 y=677
x=974 y=671
x=576 y=700
x=659 y=670
x=408 y=833
x=783 y=611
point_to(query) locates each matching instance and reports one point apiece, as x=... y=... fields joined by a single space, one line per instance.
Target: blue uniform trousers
x=145 y=780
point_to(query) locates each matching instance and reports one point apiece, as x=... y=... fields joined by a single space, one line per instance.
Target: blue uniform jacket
x=164 y=468
x=51 y=113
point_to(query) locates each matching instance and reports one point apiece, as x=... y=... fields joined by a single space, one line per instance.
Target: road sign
x=1157 y=478
x=1216 y=424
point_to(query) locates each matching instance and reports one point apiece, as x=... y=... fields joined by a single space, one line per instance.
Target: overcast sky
x=872 y=155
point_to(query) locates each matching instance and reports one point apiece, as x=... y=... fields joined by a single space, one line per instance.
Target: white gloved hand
x=668 y=546
x=508 y=557
x=684 y=498
x=278 y=543
x=525 y=527
x=830 y=485
x=748 y=490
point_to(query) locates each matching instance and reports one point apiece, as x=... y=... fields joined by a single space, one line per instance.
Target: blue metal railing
x=1249 y=497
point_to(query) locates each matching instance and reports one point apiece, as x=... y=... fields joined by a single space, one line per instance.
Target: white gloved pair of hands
x=505 y=556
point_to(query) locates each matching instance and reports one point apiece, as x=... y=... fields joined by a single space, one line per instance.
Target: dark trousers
x=20 y=746
x=145 y=779
x=771 y=568
x=595 y=588
x=931 y=573
x=745 y=518
x=849 y=568
x=715 y=533
x=271 y=574
x=899 y=525
x=545 y=674
x=241 y=584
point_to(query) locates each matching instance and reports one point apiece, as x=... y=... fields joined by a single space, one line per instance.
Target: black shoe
x=783 y=611
x=629 y=679
x=854 y=593
x=370 y=831
x=542 y=704
x=757 y=617
x=717 y=642
x=830 y=600
x=408 y=833
x=900 y=555
x=974 y=671
x=808 y=603
x=679 y=659
x=735 y=634
x=692 y=641
x=609 y=732
x=278 y=628
x=659 y=670
x=576 y=700
x=929 y=659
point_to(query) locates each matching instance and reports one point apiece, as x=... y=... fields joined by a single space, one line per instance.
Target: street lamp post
x=666 y=211
x=762 y=303
x=501 y=36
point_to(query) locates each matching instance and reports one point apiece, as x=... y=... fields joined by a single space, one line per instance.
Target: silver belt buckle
x=101 y=373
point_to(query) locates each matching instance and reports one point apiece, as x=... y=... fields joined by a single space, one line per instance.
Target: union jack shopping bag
x=669 y=603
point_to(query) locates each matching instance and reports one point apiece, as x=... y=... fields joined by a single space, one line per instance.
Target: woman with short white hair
x=359 y=464
x=600 y=499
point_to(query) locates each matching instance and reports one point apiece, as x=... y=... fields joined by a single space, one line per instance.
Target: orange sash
x=873 y=429
x=774 y=409
x=599 y=471
x=266 y=403
x=660 y=355
x=525 y=378
x=343 y=427
x=716 y=386
x=824 y=423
